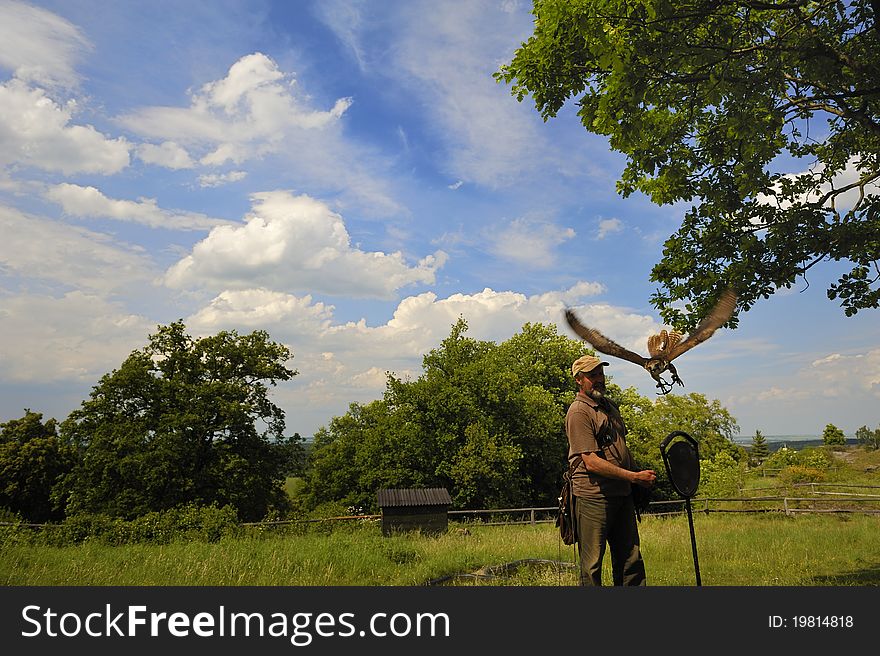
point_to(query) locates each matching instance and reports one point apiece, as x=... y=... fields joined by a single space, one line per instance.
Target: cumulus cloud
x=296 y=243
x=241 y=116
x=167 y=154
x=42 y=249
x=608 y=227
x=528 y=242
x=76 y=337
x=90 y=202
x=39 y=46
x=37 y=131
x=259 y=111
x=343 y=362
x=256 y=308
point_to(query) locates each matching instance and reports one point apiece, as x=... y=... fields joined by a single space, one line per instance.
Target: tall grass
x=743 y=550
x=733 y=550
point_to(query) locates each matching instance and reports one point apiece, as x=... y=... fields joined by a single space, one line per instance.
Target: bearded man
x=603 y=471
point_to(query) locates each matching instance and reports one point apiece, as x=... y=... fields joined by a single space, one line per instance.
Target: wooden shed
x=415 y=509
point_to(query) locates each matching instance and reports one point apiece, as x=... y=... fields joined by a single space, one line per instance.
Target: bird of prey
x=664 y=347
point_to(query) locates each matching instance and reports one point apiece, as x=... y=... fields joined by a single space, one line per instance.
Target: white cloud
x=417 y=325
x=167 y=154
x=843 y=203
x=608 y=227
x=36 y=131
x=220 y=179
x=296 y=243
x=40 y=249
x=244 y=115
x=258 y=308
x=846 y=375
x=39 y=46
x=343 y=362
x=528 y=242
x=77 y=337
x=90 y=202
x=491 y=139
x=258 y=111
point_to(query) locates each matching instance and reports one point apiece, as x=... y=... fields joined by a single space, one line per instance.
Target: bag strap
x=572 y=466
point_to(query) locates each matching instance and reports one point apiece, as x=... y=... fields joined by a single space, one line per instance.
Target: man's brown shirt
x=595 y=428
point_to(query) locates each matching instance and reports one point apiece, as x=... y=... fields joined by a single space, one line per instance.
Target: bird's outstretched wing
x=722 y=311
x=601 y=343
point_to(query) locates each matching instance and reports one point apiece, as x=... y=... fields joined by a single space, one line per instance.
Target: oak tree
x=183 y=420
x=763 y=116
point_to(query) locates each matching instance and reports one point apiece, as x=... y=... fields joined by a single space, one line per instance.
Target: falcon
x=664 y=347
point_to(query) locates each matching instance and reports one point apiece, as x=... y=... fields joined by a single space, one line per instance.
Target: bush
x=198 y=523
x=722 y=476
x=801 y=474
x=814 y=459
x=781 y=459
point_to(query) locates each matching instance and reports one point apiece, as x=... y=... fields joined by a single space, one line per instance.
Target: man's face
x=593 y=381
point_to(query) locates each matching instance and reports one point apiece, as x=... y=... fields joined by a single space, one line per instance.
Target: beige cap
x=585 y=364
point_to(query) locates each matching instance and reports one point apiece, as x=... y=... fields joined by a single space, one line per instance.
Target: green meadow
x=733 y=550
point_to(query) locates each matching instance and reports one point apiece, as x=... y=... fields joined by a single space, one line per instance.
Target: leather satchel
x=565 y=517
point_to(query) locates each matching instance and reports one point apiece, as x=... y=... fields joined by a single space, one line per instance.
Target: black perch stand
x=682 y=461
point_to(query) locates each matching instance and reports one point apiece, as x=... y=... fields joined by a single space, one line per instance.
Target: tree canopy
x=487 y=422
x=484 y=420
x=183 y=421
x=763 y=115
x=33 y=461
x=832 y=435
x=649 y=421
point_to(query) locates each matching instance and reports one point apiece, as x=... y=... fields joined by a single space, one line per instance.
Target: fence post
x=532 y=513
x=785 y=506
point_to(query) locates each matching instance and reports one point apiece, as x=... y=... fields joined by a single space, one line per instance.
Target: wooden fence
x=846 y=502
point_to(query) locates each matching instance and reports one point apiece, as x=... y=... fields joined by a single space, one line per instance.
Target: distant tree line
x=189 y=422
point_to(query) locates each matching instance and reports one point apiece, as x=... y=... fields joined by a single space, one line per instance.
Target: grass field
x=740 y=550
x=765 y=549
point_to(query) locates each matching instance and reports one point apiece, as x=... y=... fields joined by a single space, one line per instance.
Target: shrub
x=722 y=476
x=781 y=458
x=814 y=459
x=801 y=474
x=200 y=523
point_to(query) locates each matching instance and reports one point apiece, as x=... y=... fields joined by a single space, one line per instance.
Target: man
x=601 y=482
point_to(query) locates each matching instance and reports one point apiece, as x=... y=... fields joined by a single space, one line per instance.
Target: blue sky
x=349 y=177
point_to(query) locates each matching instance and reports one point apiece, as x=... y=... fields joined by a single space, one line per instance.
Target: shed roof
x=429 y=496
